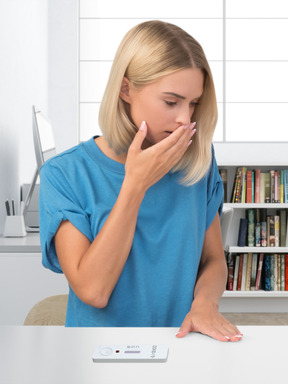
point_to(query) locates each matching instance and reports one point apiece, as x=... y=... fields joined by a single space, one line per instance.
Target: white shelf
x=257 y=205
x=234 y=249
x=260 y=293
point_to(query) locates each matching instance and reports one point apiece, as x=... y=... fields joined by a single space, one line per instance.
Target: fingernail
x=142 y=126
x=192 y=132
x=238 y=336
x=192 y=125
x=189 y=142
x=227 y=337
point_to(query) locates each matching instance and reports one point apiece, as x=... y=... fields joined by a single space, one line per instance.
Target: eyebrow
x=175 y=95
x=179 y=96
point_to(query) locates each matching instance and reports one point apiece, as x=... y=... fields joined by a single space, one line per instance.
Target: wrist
x=135 y=194
x=204 y=302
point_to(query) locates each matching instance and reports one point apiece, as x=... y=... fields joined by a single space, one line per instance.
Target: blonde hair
x=149 y=51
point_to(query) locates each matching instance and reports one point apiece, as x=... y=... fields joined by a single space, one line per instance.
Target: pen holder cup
x=14 y=226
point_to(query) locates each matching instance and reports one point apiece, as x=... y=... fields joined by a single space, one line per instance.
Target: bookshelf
x=256 y=300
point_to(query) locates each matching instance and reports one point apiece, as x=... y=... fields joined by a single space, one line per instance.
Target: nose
x=184 y=115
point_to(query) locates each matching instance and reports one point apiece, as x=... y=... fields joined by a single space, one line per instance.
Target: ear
x=125 y=90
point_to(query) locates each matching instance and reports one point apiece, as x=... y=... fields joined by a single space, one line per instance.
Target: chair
x=49 y=311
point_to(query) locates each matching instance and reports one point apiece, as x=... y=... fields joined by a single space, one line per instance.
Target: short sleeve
x=57 y=203
x=215 y=192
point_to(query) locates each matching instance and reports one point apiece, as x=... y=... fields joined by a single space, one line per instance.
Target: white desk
x=27 y=244
x=23 y=279
x=61 y=355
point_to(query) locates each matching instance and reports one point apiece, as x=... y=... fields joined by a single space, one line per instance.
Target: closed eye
x=170 y=103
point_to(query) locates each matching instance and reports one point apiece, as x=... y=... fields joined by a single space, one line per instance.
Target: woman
x=132 y=217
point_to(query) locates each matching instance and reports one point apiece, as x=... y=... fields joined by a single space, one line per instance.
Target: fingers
x=139 y=137
x=179 y=139
x=218 y=328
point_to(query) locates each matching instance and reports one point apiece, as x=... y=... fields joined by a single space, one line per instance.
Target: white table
x=61 y=355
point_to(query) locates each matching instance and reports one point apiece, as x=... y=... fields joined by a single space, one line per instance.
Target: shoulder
x=67 y=161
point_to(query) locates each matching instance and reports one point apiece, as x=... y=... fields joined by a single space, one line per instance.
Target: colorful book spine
x=282 y=186
x=244 y=272
x=259 y=271
x=236 y=272
x=240 y=272
x=267 y=273
x=267 y=188
x=254 y=272
x=249 y=187
x=272 y=185
x=283 y=227
x=248 y=272
x=230 y=272
x=277 y=230
x=272 y=231
x=286 y=272
x=251 y=227
x=282 y=272
x=257 y=185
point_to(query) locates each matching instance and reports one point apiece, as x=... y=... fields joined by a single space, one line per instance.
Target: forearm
x=211 y=282
x=102 y=264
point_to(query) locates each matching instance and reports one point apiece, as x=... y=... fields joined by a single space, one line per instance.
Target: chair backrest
x=49 y=311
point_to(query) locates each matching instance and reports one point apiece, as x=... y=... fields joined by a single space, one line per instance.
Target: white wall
x=23 y=79
x=38 y=47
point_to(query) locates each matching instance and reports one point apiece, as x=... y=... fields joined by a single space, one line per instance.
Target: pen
x=13 y=207
x=7 y=208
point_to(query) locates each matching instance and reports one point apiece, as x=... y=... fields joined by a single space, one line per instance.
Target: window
x=245 y=44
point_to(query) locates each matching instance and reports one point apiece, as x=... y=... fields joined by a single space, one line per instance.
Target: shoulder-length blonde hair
x=149 y=51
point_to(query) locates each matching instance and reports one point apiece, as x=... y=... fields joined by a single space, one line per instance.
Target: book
x=268 y=230
x=276 y=188
x=236 y=272
x=251 y=227
x=282 y=186
x=285 y=181
x=282 y=272
x=254 y=272
x=272 y=270
x=257 y=185
x=267 y=188
x=272 y=185
x=249 y=187
x=248 y=272
x=262 y=187
x=257 y=228
x=283 y=227
x=272 y=230
x=240 y=272
x=242 y=234
x=238 y=186
x=263 y=233
x=244 y=272
x=243 y=185
x=277 y=230
x=259 y=271
x=230 y=272
x=267 y=272
x=286 y=272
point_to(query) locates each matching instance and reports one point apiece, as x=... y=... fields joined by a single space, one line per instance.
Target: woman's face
x=165 y=104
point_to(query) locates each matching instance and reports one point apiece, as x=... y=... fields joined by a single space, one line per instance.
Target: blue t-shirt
x=156 y=286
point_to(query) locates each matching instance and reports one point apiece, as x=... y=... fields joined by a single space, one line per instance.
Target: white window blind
x=245 y=44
